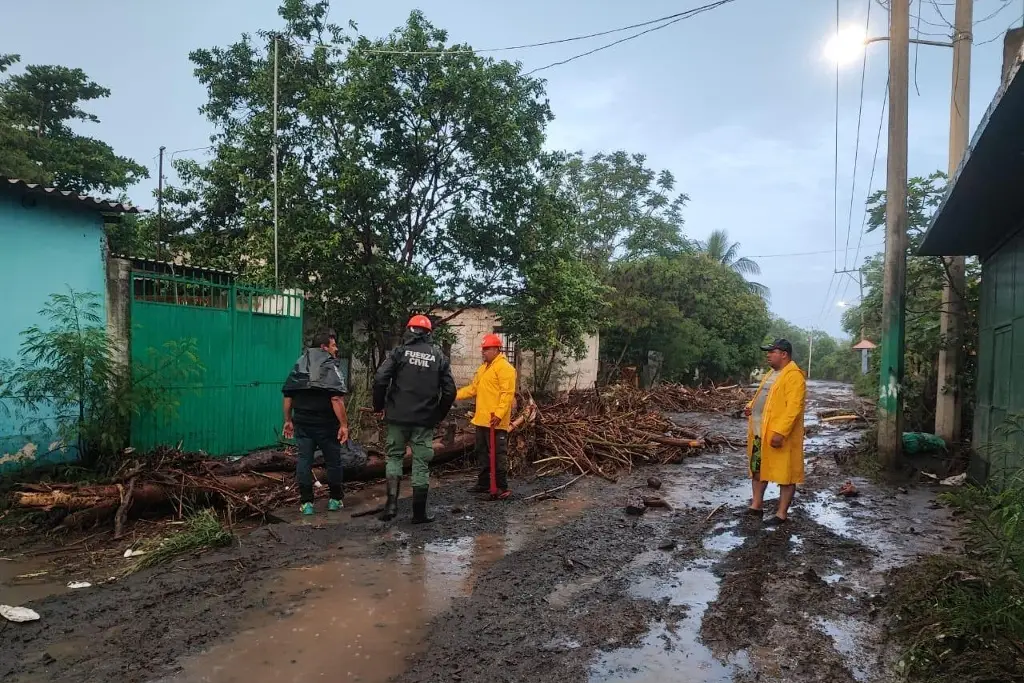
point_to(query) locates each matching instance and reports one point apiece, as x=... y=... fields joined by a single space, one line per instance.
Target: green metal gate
x=247 y=340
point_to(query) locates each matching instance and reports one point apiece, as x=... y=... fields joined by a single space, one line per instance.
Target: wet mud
x=569 y=589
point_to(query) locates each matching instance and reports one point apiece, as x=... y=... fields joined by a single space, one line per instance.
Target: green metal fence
x=247 y=340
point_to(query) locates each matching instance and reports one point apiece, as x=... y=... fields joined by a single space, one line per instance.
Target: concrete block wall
x=470 y=326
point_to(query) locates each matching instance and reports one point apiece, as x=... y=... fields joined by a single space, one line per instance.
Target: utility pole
x=810 y=351
x=947 y=407
x=277 y=284
x=890 y=404
x=160 y=203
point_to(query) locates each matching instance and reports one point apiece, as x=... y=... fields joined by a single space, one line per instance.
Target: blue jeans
x=308 y=438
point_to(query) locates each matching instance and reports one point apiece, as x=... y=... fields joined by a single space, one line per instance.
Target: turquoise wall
x=44 y=249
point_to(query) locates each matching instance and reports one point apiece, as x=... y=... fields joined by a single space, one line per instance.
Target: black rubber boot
x=391 y=506
x=419 y=505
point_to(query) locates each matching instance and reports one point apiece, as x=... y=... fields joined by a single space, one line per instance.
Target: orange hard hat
x=420 y=321
x=491 y=341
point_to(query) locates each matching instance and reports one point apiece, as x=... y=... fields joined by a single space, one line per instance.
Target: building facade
x=982 y=215
x=51 y=242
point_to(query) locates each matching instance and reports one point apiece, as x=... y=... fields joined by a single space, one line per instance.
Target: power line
x=874 y=164
x=689 y=14
x=1001 y=34
x=856 y=148
x=804 y=253
x=993 y=15
x=559 y=41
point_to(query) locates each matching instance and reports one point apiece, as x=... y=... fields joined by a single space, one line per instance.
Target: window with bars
x=507 y=343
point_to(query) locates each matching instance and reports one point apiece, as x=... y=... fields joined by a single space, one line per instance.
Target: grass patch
x=961 y=619
x=202 y=530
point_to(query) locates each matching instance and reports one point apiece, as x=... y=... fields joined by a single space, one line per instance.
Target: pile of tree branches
x=678 y=398
x=168 y=481
x=604 y=433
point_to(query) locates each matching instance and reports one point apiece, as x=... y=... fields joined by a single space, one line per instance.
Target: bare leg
x=759 y=487
x=786 y=494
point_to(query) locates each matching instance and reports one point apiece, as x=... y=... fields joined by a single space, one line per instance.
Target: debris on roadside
x=653 y=483
x=955 y=480
x=848 y=490
x=655 y=502
x=18 y=615
x=636 y=508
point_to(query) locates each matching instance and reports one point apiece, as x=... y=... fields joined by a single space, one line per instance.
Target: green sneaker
x=306 y=509
x=333 y=505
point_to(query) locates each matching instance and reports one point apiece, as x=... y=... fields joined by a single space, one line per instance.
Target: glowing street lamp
x=847 y=45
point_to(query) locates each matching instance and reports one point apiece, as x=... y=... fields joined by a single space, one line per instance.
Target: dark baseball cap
x=779 y=345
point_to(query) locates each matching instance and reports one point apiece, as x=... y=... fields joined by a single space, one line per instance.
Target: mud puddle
x=358 y=617
x=22 y=582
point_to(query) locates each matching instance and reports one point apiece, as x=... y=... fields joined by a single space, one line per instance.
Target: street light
x=848 y=44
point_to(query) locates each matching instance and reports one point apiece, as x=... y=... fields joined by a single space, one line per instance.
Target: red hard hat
x=491 y=341
x=420 y=321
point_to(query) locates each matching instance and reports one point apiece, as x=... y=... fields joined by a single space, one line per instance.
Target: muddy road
x=569 y=589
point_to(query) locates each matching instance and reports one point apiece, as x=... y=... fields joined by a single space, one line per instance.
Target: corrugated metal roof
x=72 y=197
x=139 y=261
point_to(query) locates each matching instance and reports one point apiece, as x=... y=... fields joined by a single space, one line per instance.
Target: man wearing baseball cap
x=775 y=436
x=494 y=387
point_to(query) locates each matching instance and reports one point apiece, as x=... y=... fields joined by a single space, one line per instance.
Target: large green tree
x=407 y=168
x=40 y=109
x=925 y=278
x=698 y=314
x=623 y=208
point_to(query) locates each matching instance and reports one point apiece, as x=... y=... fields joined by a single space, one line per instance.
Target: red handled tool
x=494 y=457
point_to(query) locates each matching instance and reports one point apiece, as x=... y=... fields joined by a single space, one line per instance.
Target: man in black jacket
x=414 y=388
x=314 y=413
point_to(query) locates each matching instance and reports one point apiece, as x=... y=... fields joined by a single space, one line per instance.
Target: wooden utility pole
x=890 y=403
x=947 y=407
x=160 y=203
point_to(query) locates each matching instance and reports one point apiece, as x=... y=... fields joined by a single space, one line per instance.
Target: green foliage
x=403 y=178
x=718 y=248
x=962 y=618
x=622 y=209
x=697 y=313
x=67 y=373
x=925 y=278
x=202 y=530
x=40 y=110
x=833 y=359
x=560 y=300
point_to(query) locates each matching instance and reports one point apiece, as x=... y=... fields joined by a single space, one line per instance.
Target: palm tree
x=718 y=247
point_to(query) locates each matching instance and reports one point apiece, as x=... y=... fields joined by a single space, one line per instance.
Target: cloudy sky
x=738 y=102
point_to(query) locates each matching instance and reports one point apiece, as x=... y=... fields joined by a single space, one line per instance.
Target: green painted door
x=999 y=444
x=247 y=340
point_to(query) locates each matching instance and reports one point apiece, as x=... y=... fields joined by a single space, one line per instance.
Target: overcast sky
x=738 y=102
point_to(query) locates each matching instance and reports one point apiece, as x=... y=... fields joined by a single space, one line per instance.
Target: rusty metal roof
x=68 y=196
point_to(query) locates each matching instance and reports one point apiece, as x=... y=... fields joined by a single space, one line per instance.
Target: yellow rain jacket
x=783 y=414
x=494 y=387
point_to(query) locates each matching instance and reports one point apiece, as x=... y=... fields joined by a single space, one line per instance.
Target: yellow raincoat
x=494 y=387
x=783 y=414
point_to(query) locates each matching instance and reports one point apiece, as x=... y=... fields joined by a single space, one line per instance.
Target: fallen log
x=104 y=500
x=669 y=440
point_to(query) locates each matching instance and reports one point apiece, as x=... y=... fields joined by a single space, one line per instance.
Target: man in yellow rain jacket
x=494 y=387
x=775 y=437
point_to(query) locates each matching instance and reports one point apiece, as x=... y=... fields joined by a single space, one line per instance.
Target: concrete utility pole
x=277 y=283
x=890 y=404
x=947 y=407
x=810 y=351
x=160 y=203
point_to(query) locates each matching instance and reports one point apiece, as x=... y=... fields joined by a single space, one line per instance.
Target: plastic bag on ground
x=922 y=442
